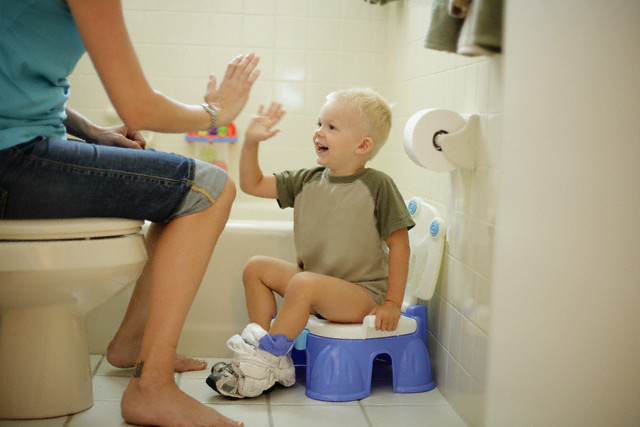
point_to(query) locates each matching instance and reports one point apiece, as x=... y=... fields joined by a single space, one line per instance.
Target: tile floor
x=280 y=408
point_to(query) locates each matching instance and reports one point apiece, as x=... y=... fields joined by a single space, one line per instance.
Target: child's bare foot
x=167 y=405
x=126 y=358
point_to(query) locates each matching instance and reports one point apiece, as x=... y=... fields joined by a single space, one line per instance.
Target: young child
x=351 y=236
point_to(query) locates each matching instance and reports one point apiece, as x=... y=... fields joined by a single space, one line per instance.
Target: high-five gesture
x=252 y=180
x=260 y=127
x=232 y=95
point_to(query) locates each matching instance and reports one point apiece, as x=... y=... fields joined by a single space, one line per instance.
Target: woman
x=45 y=175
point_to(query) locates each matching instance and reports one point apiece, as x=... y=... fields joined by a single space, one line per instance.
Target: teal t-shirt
x=39 y=47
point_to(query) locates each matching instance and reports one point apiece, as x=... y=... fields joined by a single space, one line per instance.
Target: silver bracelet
x=212 y=112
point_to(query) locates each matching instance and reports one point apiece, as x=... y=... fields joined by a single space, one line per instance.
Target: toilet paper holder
x=458 y=146
x=452 y=134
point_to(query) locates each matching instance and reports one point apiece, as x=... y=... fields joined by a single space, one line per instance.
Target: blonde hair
x=373 y=109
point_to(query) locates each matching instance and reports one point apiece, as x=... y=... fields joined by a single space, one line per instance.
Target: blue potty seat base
x=340 y=370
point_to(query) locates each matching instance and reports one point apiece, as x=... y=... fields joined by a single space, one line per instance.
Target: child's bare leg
x=262 y=277
x=124 y=347
x=335 y=299
x=182 y=255
x=260 y=357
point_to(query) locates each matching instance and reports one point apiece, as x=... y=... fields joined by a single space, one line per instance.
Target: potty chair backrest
x=426 y=241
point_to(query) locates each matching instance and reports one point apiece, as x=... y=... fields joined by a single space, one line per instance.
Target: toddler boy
x=351 y=237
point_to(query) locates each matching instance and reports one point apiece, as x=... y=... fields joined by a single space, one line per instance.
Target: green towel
x=484 y=22
x=381 y=2
x=487 y=25
x=444 y=29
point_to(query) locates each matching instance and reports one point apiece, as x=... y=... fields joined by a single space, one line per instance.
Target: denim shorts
x=59 y=178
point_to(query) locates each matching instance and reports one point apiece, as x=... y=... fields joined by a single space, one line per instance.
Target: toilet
x=53 y=272
x=338 y=358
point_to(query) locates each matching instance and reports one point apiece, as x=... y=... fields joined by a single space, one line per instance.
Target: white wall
x=565 y=344
x=309 y=48
x=459 y=316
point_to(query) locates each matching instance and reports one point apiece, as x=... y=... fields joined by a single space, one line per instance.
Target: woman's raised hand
x=232 y=95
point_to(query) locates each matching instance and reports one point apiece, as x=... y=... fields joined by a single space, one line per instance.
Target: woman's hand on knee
x=121 y=136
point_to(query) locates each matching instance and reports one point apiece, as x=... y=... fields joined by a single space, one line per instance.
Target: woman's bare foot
x=167 y=405
x=126 y=358
x=184 y=364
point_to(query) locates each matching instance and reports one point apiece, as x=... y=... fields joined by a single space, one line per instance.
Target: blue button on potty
x=434 y=228
x=412 y=206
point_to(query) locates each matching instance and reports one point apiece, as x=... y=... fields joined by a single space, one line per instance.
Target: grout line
x=364 y=412
x=269 y=413
x=95 y=370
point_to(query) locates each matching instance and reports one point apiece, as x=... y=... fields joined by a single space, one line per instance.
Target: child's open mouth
x=321 y=148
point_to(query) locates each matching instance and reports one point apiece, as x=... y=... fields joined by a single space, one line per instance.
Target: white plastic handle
x=369 y=321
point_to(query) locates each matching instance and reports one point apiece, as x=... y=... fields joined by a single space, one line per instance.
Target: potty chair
x=339 y=357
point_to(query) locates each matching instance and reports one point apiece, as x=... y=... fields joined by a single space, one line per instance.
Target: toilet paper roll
x=420 y=132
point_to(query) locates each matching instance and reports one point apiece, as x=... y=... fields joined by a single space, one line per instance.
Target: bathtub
x=255 y=227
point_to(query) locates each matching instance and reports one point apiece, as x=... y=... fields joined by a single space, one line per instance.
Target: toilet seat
x=67 y=228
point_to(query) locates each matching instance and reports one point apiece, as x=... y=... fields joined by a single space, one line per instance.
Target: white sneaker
x=252 y=370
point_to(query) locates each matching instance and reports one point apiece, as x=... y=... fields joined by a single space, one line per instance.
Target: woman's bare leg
x=180 y=260
x=124 y=347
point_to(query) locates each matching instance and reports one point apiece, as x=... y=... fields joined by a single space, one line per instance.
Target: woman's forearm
x=79 y=126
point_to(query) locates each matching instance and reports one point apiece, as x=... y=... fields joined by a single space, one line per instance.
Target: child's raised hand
x=260 y=127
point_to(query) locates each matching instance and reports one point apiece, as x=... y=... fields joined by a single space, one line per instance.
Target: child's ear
x=365 y=146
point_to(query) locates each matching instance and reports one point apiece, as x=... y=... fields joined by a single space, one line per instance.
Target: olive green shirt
x=341 y=223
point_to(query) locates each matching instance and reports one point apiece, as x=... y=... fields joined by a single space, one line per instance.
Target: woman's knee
x=230 y=188
x=212 y=192
x=228 y=194
x=221 y=207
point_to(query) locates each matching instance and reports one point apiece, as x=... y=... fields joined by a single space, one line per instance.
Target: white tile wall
x=460 y=313
x=309 y=48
